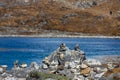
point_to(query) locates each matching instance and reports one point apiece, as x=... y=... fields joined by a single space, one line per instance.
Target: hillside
x=26 y=17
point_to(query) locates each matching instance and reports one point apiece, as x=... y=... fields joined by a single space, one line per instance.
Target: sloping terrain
x=84 y=16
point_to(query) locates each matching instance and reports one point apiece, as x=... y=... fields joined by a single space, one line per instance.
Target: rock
x=62 y=47
x=98 y=76
x=77 y=47
x=73 y=70
x=34 y=65
x=99 y=69
x=93 y=62
x=23 y=65
x=85 y=71
x=83 y=66
x=66 y=65
x=110 y=66
x=44 y=66
x=61 y=56
x=46 y=61
x=4 y=67
x=53 y=65
x=16 y=64
x=72 y=64
x=4 y=75
x=1 y=70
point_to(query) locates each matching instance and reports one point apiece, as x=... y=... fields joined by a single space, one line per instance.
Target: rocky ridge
x=64 y=62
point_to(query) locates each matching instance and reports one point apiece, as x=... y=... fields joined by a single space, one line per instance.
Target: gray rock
x=34 y=65
x=44 y=66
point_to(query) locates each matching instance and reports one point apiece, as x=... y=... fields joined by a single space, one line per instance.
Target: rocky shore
x=66 y=64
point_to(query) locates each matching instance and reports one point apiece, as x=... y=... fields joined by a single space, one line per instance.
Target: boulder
x=34 y=65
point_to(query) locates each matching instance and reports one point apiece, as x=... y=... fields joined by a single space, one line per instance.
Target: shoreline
x=60 y=36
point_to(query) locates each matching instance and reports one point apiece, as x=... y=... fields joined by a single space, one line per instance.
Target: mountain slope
x=84 y=16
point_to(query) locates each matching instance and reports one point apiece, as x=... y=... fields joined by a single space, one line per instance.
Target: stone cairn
x=73 y=63
x=65 y=61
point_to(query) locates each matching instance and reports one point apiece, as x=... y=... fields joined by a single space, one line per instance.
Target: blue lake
x=35 y=49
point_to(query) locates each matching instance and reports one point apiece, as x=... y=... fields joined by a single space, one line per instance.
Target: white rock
x=83 y=66
x=23 y=65
x=93 y=62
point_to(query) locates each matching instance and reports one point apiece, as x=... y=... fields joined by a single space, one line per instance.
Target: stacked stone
x=64 y=61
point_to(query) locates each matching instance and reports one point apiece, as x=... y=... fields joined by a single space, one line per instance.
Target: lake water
x=35 y=49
